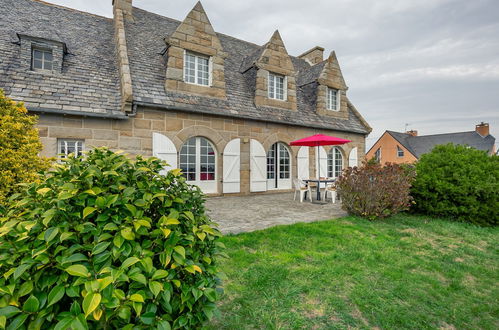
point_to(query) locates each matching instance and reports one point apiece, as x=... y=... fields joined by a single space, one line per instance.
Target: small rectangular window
x=67 y=147
x=333 y=99
x=277 y=87
x=400 y=152
x=196 y=69
x=41 y=59
x=377 y=155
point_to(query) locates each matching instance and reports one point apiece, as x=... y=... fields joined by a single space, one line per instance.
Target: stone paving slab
x=248 y=213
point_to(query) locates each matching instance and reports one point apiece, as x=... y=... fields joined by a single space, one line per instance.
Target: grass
x=403 y=272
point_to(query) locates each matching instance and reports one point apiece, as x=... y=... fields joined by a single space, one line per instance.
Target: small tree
x=19 y=147
x=105 y=242
x=374 y=191
x=458 y=182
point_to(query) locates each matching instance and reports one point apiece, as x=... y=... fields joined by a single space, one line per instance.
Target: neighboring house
x=394 y=147
x=222 y=109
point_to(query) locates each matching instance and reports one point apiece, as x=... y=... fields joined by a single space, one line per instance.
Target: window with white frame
x=377 y=155
x=400 y=152
x=277 y=86
x=334 y=163
x=333 y=99
x=66 y=147
x=196 y=69
x=41 y=59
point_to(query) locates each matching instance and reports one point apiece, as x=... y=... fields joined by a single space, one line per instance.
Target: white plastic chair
x=301 y=187
x=330 y=188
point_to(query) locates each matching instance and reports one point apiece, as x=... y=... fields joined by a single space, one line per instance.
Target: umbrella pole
x=319 y=173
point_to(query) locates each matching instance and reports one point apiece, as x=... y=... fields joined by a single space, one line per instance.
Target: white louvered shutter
x=258 y=167
x=352 y=158
x=303 y=163
x=231 y=167
x=164 y=149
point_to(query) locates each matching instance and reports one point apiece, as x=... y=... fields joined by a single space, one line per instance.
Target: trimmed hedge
x=374 y=191
x=107 y=242
x=458 y=182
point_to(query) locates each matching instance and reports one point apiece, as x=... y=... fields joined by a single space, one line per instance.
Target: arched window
x=334 y=162
x=198 y=163
x=278 y=167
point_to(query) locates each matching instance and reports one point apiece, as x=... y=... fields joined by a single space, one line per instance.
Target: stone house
x=222 y=109
x=395 y=147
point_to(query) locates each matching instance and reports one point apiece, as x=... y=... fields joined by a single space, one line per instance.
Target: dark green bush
x=107 y=242
x=374 y=191
x=458 y=182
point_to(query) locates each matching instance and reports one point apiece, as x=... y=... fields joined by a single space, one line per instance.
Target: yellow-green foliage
x=19 y=147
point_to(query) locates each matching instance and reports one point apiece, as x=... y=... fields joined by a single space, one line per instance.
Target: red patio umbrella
x=319 y=140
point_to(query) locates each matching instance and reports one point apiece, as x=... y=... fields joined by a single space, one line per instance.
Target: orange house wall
x=389 y=151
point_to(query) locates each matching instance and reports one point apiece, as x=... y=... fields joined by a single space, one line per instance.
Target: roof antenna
x=406 y=126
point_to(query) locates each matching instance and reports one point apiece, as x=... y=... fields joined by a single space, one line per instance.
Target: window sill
x=196 y=84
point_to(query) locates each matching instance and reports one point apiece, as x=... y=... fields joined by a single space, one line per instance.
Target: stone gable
x=195 y=34
x=331 y=77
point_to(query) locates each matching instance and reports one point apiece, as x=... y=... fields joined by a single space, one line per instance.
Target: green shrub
x=375 y=191
x=458 y=182
x=19 y=148
x=107 y=242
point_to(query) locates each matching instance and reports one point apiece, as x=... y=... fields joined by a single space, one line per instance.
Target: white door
x=258 y=162
x=278 y=167
x=198 y=161
x=303 y=164
x=352 y=158
x=231 y=167
x=164 y=149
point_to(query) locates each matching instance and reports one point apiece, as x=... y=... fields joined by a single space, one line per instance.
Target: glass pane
x=37 y=64
x=37 y=54
x=47 y=56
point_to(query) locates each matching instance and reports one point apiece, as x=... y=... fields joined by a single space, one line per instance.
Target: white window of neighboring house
x=333 y=99
x=277 y=86
x=65 y=147
x=41 y=59
x=196 y=69
x=377 y=155
x=400 y=152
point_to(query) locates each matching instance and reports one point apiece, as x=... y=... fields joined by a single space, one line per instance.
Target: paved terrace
x=248 y=213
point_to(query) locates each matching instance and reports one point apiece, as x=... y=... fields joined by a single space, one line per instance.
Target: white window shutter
x=303 y=163
x=258 y=167
x=352 y=158
x=164 y=149
x=232 y=167
x=322 y=162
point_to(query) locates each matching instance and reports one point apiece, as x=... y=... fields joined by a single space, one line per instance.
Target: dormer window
x=196 y=69
x=333 y=99
x=41 y=59
x=277 y=87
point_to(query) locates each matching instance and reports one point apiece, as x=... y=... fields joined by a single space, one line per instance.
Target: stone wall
x=134 y=135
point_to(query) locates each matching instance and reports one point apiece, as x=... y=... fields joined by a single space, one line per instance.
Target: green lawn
x=404 y=272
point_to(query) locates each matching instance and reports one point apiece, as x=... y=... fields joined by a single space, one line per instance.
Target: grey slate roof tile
x=419 y=145
x=89 y=81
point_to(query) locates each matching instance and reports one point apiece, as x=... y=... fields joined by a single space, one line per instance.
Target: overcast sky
x=431 y=64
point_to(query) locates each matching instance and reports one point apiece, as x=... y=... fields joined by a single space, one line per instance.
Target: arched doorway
x=278 y=167
x=198 y=161
x=334 y=162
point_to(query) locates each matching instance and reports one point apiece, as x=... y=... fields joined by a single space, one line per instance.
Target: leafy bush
x=458 y=182
x=106 y=242
x=374 y=191
x=19 y=147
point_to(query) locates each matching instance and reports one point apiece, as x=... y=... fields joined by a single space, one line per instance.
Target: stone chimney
x=125 y=6
x=412 y=132
x=313 y=56
x=482 y=129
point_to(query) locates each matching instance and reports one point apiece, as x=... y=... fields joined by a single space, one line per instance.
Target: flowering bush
x=19 y=148
x=374 y=191
x=107 y=242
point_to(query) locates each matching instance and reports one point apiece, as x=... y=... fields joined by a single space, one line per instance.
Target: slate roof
x=419 y=145
x=90 y=78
